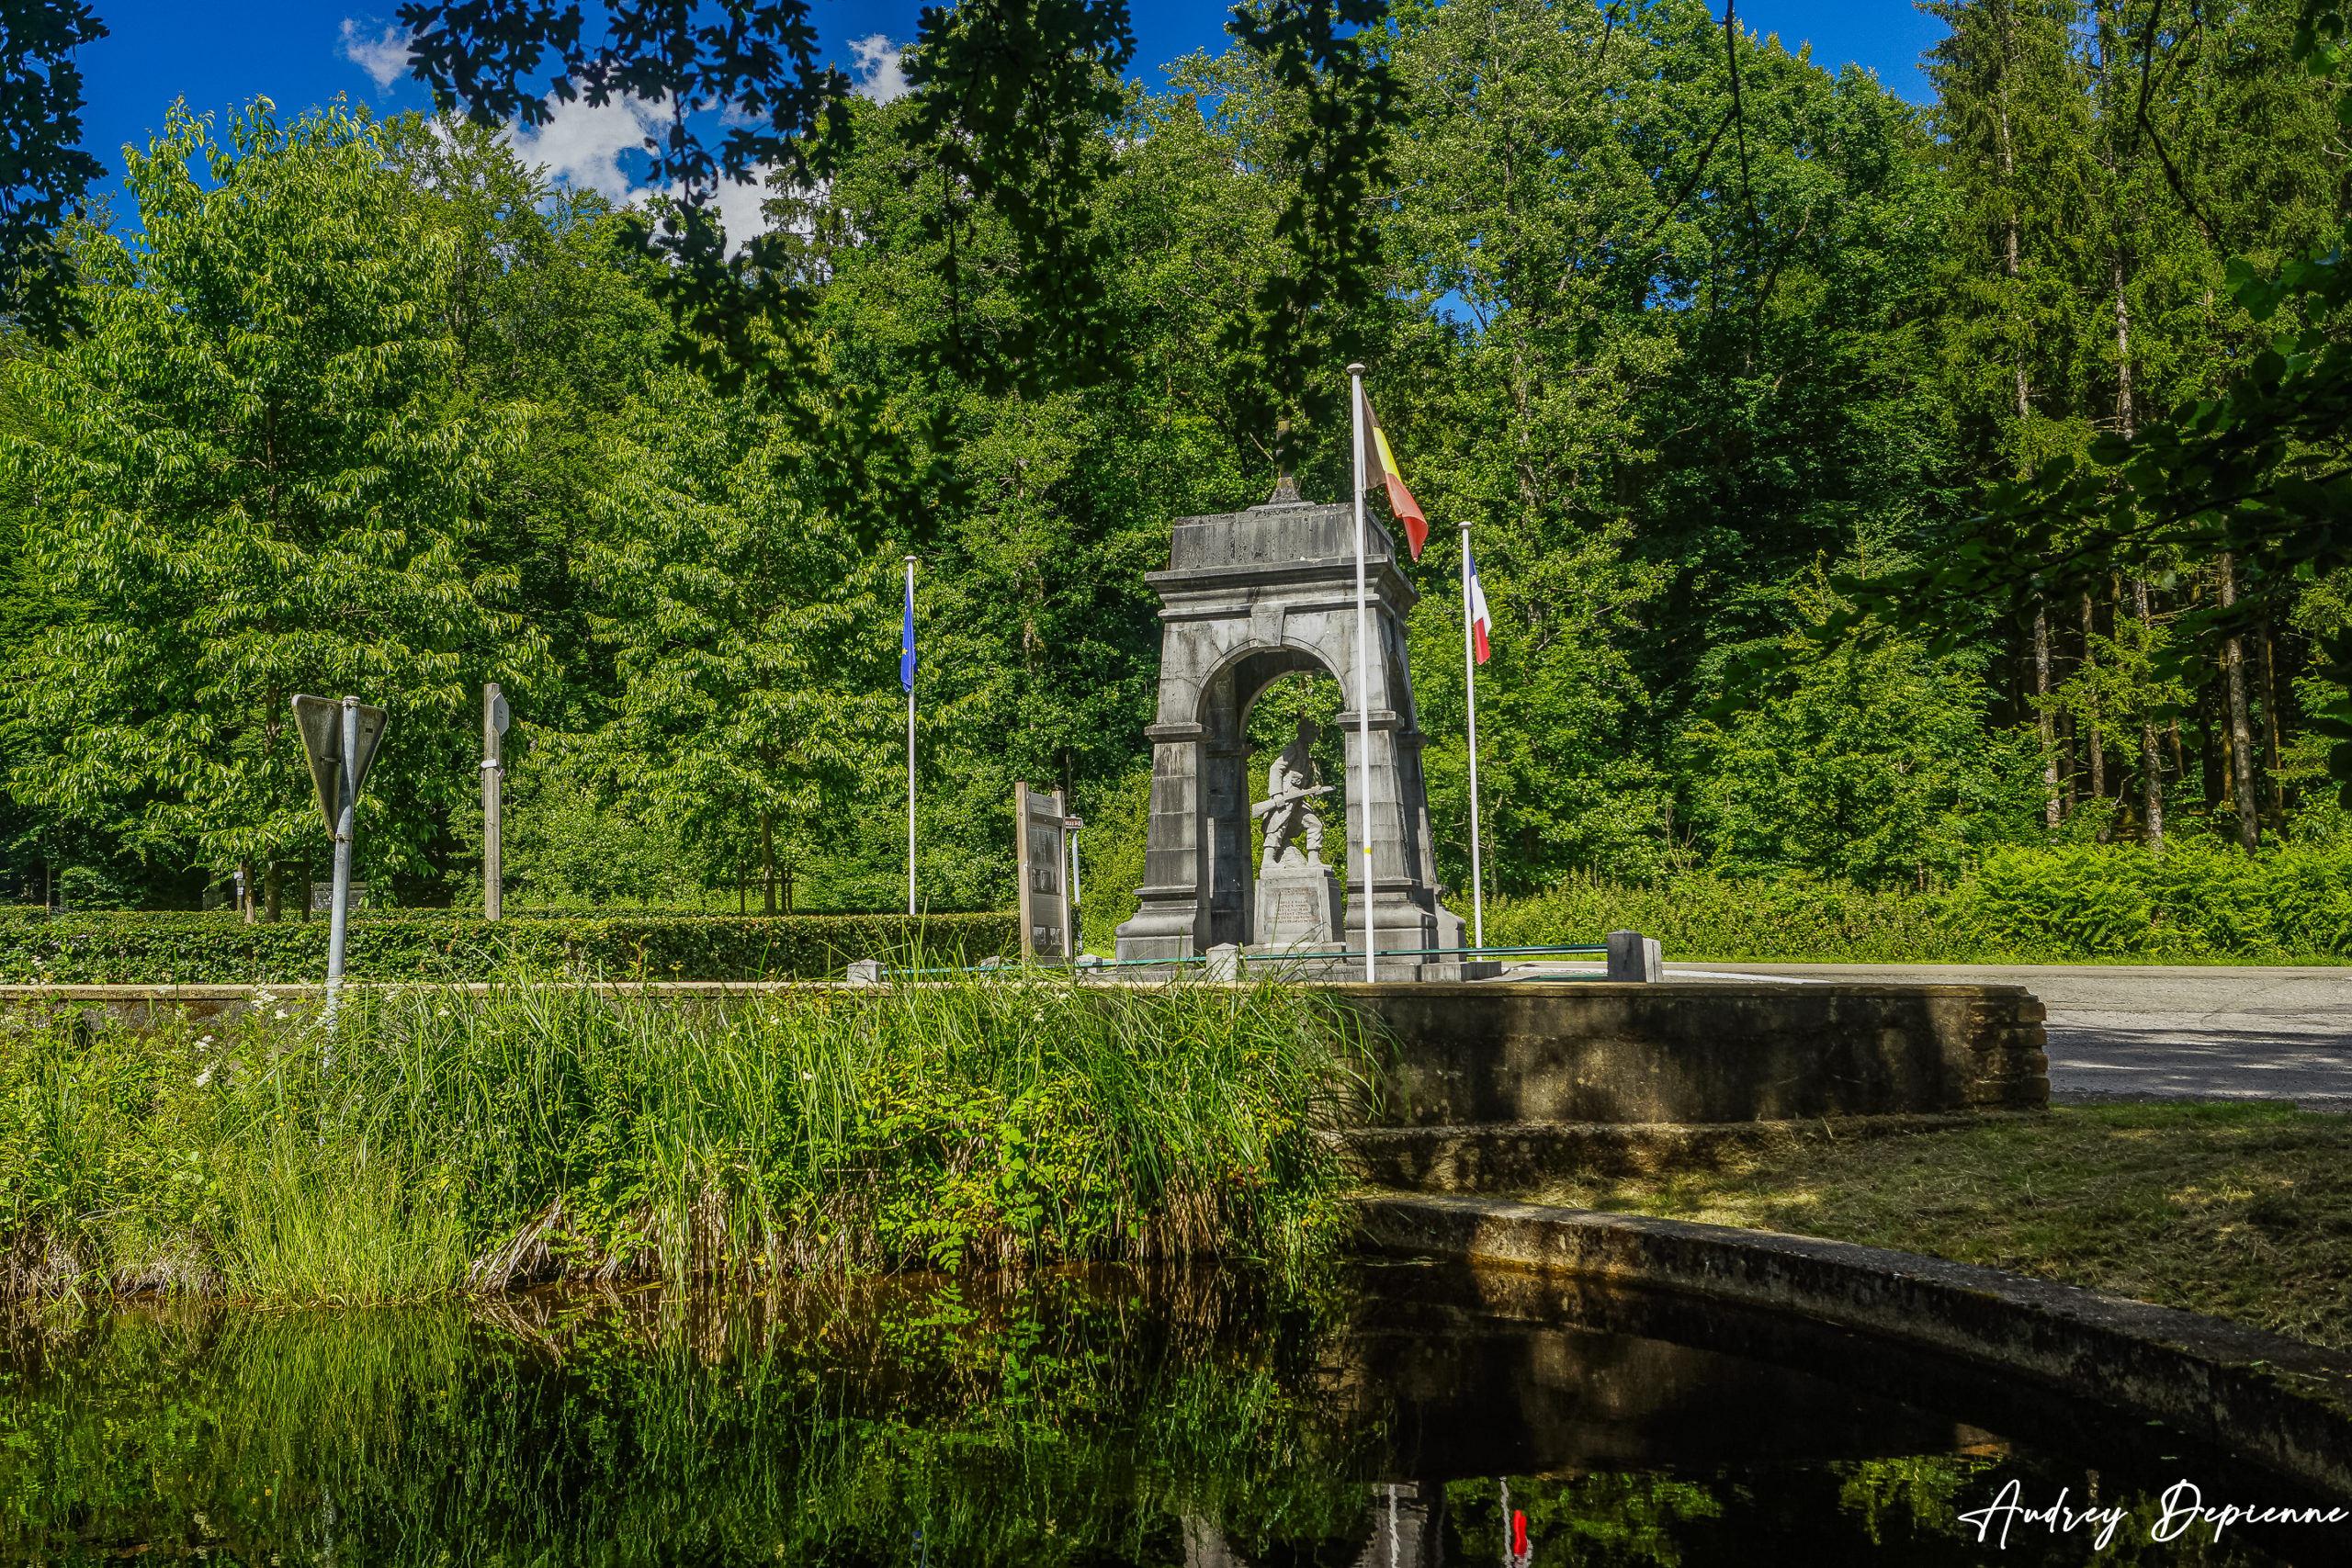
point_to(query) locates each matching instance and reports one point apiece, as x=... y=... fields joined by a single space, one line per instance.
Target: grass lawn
x=2240 y=1211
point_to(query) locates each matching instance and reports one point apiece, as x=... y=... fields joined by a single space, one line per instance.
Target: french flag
x=1480 y=622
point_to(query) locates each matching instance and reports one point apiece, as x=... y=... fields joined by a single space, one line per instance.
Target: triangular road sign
x=371 y=734
x=319 y=719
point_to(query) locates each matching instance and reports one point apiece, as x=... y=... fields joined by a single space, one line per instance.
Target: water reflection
x=1404 y=1418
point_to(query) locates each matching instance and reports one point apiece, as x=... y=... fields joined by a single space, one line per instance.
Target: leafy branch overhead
x=42 y=171
x=1012 y=99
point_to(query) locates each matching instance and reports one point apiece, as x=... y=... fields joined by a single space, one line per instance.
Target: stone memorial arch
x=1247 y=598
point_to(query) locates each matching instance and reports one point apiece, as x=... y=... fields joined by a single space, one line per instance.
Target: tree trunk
x=2049 y=808
x=2092 y=751
x=2012 y=260
x=2152 y=767
x=2151 y=763
x=767 y=863
x=2209 y=725
x=269 y=885
x=2068 y=773
x=2125 y=415
x=245 y=890
x=2241 y=728
x=2271 y=706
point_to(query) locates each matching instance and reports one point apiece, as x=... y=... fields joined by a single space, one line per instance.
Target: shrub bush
x=1713 y=917
x=106 y=948
x=2195 y=901
x=2071 y=903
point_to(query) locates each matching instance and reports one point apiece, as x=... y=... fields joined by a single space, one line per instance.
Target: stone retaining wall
x=2279 y=1402
x=1520 y=1157
x=1590 y=1052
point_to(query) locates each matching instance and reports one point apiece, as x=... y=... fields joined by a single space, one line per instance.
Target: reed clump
x=440 y=1141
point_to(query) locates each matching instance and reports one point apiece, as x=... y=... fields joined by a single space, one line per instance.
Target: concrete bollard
x=865 y=972
x=1633 y=956
x=1224 y=962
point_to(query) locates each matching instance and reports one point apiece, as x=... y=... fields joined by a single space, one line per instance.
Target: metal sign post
x=494 y=719
x=1071 y=825
x=341 y=740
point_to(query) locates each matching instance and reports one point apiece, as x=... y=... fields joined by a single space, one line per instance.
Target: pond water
x=1400 y=1417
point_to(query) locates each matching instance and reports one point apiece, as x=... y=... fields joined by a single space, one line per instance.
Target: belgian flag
x=1380 y=460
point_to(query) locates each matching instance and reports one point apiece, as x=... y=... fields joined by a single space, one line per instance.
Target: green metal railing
x=1563 y=949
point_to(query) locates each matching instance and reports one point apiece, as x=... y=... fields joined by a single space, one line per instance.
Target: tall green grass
x=441 y=1141
x=2198 y=902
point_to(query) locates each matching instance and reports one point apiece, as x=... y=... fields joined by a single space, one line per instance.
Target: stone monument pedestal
x=1298 y=906
x=1297 y=923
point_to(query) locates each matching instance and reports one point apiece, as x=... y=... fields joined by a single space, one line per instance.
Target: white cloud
x=384 y=57
x=738 y=208
x=582 y=145
x=881 y=70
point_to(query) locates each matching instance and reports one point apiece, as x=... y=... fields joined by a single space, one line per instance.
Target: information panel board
x=1045 y=891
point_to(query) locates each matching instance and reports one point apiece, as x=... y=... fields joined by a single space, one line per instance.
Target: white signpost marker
x=495 y=717
x=340 y=739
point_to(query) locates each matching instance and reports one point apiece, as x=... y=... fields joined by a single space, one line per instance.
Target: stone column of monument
x=1248 y=597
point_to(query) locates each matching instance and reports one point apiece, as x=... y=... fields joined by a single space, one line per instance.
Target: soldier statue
x=1289 y=785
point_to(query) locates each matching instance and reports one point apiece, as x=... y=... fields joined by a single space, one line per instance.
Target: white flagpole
x=910 y=761
x=1364 y=672
x=1470 y=686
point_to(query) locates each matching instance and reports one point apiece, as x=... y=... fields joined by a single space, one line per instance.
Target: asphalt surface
x=2142 y=1032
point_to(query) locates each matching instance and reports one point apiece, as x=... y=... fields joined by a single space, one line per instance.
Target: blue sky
x=302 y=52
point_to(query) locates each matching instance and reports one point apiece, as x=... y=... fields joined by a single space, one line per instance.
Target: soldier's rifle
x=1273 y=802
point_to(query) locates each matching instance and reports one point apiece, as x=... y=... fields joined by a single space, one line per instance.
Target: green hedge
x=109 y=948
x=1711 y=916
x=2198 y=902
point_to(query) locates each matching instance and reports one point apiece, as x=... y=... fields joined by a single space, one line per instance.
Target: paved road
x=2218 y=1032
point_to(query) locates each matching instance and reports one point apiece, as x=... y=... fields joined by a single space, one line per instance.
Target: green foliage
x=2148 y=206
x=741 y=624
x=1699 y=915
x=1665 y=347
x=550 y=1131
x=253 y=480
x=1871 y=764
x=2198 y=902
x=221 y=949
x=1111 y=857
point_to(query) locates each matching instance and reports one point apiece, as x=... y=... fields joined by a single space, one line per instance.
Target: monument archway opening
x=1269 y=723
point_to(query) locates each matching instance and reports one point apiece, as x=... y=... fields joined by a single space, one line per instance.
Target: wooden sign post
x=1045 y=891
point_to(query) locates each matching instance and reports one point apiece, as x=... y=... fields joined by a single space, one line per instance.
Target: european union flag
x=906 y=641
